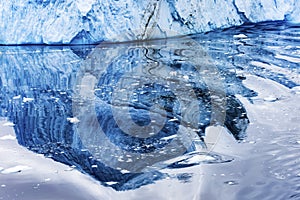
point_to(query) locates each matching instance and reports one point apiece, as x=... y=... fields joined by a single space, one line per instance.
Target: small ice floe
x=185 y=77
x=173 y=73
x=173 y=120
x=111 y=183
x=169 y=137
x=25 y=99
x=124 y=171
x=73 y=120
x=10 y=124
x=16 y=97
x=8 y=137
x=47 y=180
x=231 y=182
x=240 y=36
x=15 y=169
x=36 y=186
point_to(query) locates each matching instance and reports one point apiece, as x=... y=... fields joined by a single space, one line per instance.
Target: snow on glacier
x=85 y=6
x=265 y=10
x=93 y=21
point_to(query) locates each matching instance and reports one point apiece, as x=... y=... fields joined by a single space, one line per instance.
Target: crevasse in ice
x=92 y=21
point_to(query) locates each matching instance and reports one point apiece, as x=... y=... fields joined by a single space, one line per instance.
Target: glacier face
x=93 y=21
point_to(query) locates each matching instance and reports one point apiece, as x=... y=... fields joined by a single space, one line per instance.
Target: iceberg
x=94 y=21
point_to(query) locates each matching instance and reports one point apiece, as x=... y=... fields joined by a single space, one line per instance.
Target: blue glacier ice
x=93 y=21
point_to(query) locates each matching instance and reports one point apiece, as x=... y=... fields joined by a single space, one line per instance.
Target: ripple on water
x=259 y=64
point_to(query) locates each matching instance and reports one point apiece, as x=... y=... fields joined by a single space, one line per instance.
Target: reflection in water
x=118 y=112
x=121 y=113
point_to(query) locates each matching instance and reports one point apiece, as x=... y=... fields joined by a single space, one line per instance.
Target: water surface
x=195 y=117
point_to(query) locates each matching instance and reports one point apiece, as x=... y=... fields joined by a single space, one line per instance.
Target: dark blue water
x=195 y=117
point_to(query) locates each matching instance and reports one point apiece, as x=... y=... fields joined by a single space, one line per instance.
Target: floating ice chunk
x=47 y=179
x=27 y=99
x=17 y=97
x=169 y=137
x=185 y=77
x=231 y=183
x=73 y=120
x=124 y=171
x=15 y=169
x=111 y=183
x=173 y=120
x=240 y=36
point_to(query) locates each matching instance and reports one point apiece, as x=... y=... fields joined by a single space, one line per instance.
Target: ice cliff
x=92 y=21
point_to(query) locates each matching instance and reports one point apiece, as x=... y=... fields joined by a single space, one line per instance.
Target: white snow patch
x=8 y=137
x=84 y=6
x=10 y=124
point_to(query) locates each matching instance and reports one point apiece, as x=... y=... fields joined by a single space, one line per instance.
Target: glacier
x=94 y=21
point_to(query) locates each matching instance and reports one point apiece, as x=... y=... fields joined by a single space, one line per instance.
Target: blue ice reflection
x=117 y=112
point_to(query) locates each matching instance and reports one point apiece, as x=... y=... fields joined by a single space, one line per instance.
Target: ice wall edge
x=93 y=21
